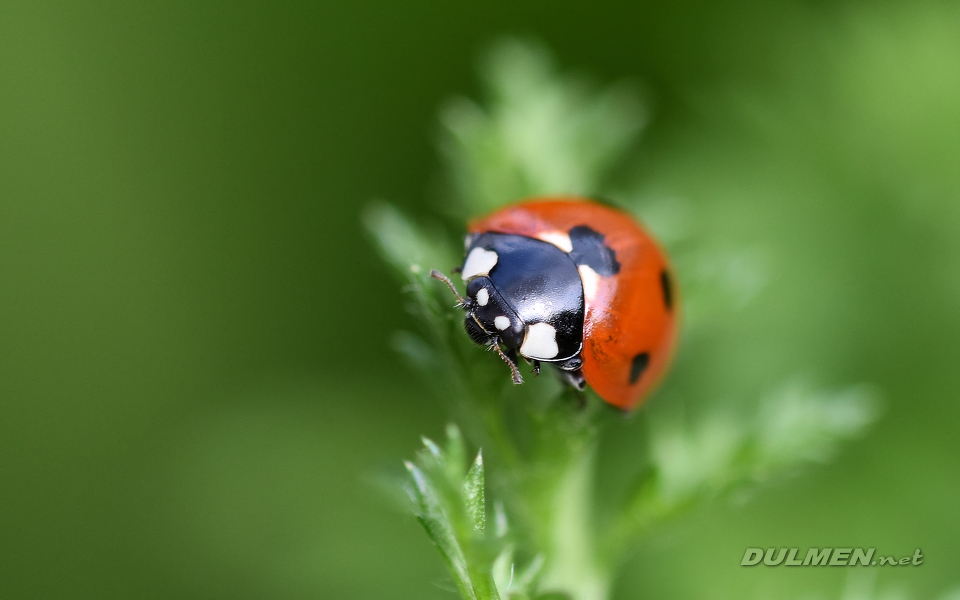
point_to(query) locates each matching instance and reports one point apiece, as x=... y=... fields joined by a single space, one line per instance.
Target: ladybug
x=576 y=284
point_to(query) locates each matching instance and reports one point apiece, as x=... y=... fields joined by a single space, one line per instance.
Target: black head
x=489 y=318
x=478 y=322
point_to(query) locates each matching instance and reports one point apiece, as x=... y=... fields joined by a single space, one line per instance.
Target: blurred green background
x=197 y=396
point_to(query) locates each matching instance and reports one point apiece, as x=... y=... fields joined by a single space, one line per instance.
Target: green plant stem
x=572 y=567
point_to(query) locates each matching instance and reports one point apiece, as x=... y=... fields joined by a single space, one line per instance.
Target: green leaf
x=797 y=424
x=794 y=425
x=473 y=497
x=544 y=132
x=524 y=579
x=450 y=504
x=456 y=456
x=438 y=527
x=412 y=250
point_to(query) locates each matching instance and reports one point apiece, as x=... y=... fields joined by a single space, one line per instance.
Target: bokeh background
x=197 y=394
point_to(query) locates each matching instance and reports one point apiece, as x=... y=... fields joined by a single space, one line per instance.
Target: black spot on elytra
x=589 y=249
x=638 y=366
x=667 y=286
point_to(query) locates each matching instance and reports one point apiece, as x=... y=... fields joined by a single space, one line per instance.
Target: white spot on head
x=479 y=262
x=591 y=281
x=501 y=322
x=483 y=296
x=540 y=342
x=557 y=238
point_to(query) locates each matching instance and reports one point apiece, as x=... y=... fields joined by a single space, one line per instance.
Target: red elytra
x=630 y=321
